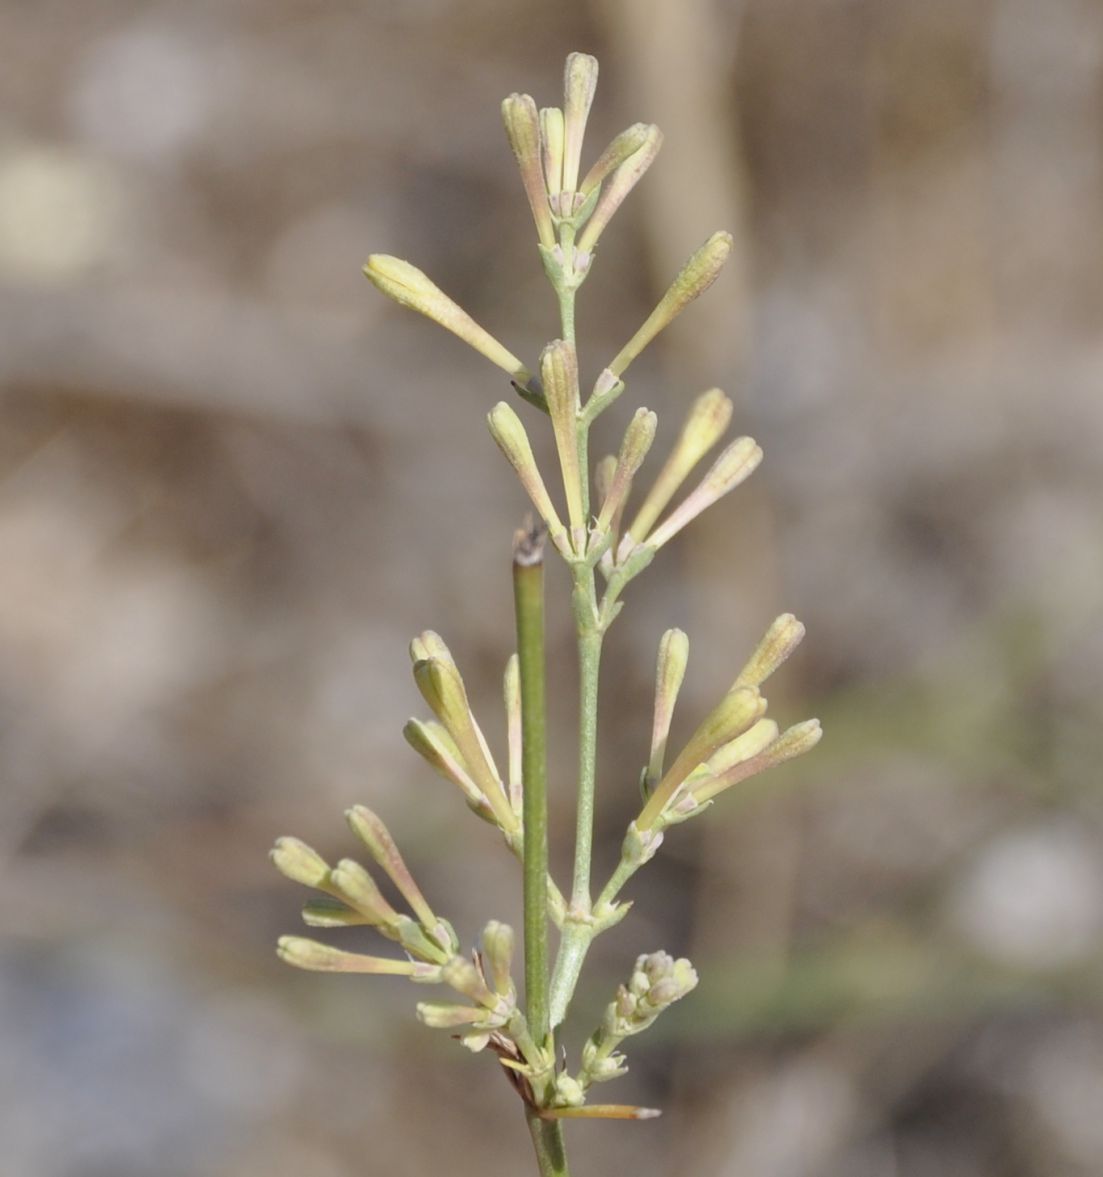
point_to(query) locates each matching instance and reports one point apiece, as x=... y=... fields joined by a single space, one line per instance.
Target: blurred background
x=234 y=481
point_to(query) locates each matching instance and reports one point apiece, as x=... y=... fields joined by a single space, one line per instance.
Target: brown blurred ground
x=233 y=482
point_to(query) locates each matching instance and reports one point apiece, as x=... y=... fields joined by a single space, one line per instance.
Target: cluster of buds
x=733 y=742
x=350 y=897
x=657 y=981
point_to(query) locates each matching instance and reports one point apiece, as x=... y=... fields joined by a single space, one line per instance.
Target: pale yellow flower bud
x=559 y=375
x=508 y=431
x=551 y=137
x=669 y=673
x=624 y=179
x=627 y=143
x=522 y=123
x=297 y=861
x=697 y=275
x=579 y=85
x=637 y=441
x=704 y=425
x=409 y=287
x=369 y=828
x=782 y=638
x=309 y=954
x=734 y=465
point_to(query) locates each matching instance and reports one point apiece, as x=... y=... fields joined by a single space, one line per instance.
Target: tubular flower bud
x=409 y=287
x=704 y=425
x=627 y=175
x=437 y=748
x=442 y=688
x=669 y=673
x=731 y=717
x=559 y=374
x=368 y=827
x=551 y=137
x=448 y=1017
x=498 y=954
x=697 y=275
x=637 y=441
x=782 y=638
x=509 y=433
x=735 y=464
x=309 y=954
x=297 y=861
x=579 y=85
x=522 y=123
x=626 y=144
x=359 y=890
x=793 y=742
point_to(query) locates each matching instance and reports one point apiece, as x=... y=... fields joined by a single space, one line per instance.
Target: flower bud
x=465 y=978
x=731 y=717
x=297 y=861
x=429 y=644
x=522 y=123
x=409 y=287
x=579 y=84
x=704 y=425
x=331 y=913
x=437 y=748
x=754 y=740
x=613 y=195
x=448 y=1017
x=509 y=433
x=637 y=441
x=782 y=638
x=498 y=954
x=627 y=143
x=559 y=375
x=795 y=741
x=309 y=954
x=669 y=673
x=359 y=890
x=442 y=688
x=697 y=275
x=735 y=465
x=377 y=838
x=551 y=137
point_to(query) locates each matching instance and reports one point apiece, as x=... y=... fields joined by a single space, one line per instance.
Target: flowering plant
x=604 y=549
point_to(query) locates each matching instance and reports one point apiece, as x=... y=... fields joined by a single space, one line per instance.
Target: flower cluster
x=599 y=535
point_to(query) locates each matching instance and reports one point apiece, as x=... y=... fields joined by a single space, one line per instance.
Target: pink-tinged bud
x=358 y=889
x=613 y=195
x=559 y=375
x=731 y=717
x=669 y=673
x=637 y=441
x=369 y=828
x=579 y=85
x=551 y=138
x=626 y=144
x=793 y=742
x=409 y=287
x=704 y=425
x=522 y=123
x=734 y=465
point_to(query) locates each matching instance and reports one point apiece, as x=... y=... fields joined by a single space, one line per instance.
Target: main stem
x=547 y=1140
x=528 y=595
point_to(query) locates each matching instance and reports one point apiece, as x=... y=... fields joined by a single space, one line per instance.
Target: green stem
x=547 y=1139
x=589 y=661
x=528 y=595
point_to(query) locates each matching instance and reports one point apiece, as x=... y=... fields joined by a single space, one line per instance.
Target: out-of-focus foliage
x=233 y=482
